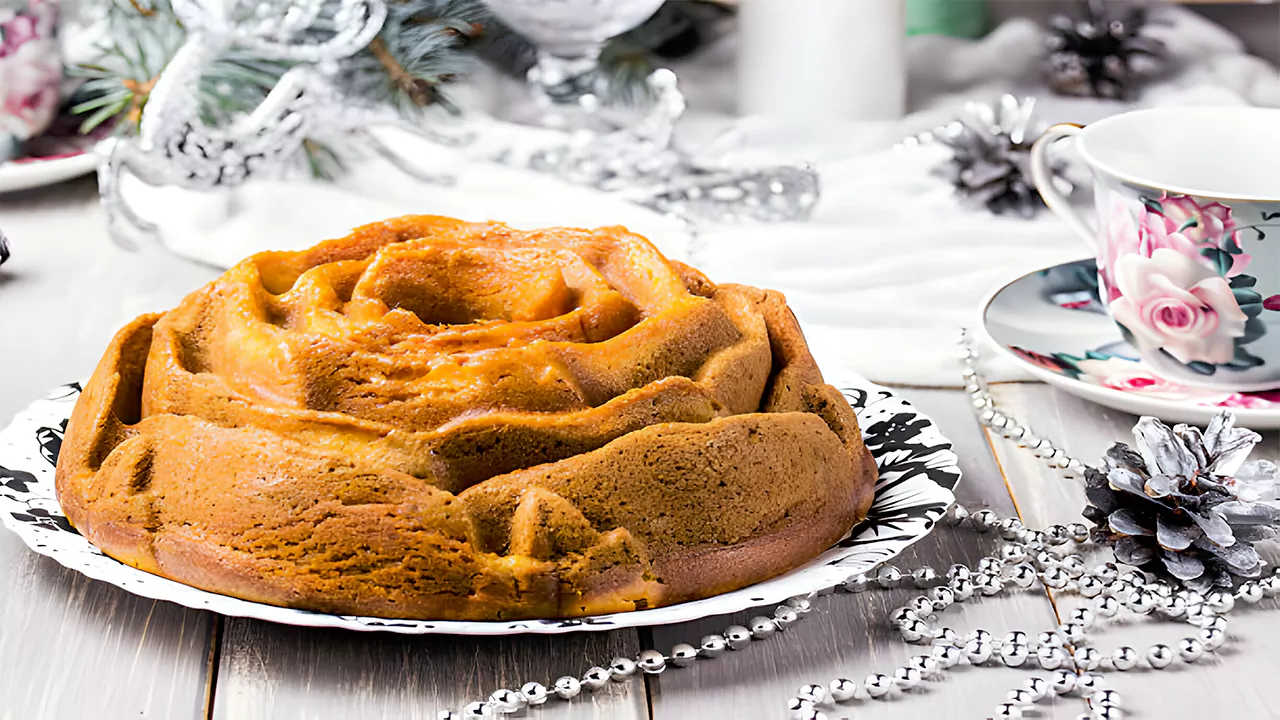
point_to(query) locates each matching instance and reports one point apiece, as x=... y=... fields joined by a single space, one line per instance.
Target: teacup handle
x=1042 y=176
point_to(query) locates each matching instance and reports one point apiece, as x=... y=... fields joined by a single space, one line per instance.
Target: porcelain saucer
x=1052 y=322
x=33 y=172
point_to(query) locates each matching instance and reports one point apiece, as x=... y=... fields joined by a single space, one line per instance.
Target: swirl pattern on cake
x=438 y=419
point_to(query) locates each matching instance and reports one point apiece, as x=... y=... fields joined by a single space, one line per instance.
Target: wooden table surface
x=71 y=647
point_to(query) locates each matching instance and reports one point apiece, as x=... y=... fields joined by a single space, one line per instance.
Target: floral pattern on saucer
x=1130 y=375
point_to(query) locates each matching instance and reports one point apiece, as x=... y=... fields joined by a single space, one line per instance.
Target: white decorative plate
x=917 y=473
x=31 y=173
x=1053 y=324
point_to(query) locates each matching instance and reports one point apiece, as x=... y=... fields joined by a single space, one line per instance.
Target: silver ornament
x=1250 y=592
x=978 y=651
x=878 y=685
x=813 y=693
x=1107 y=573
x=963 y=588
x=534 y=693
x=922 y=605
x=1190 y=650
x=1086 y=658
x=738 y=637
x=1212 y=638
x=567 y=687
x=989 y=566
x=595 y=678
x=959 y=571
x=949 y=656
x=1105 y=713
x=1074 y=565
x=1140 y=602
x=1015 y=637
x=942 y=596
x=1160 y=656
x=1008 y=710
x=1124 y=658
x=1106 y=607
x=477 y=709
x=1135 y=577
x=713 y=646
x=1270 y=586
x=1057 y=535
x=915 y=631
x=902 y=616
x=1019 y=697
x=1014 y=654
x=683 y=655
x=802 y=605
x=651 y=662
x=1045 y=559
x=984 y=520
x=1073 y=632
x=924 y=577
x=798 y=705
x=991 y=585
x=1062 y=681
x=447 y=715
x=907 y=677
x=622 y=668
x=1105 y=698
x=856 y=584
x=1175 y=608
x=1024 y=576
x=1220 y=602
x=1084 y=616
x=1055 y=577
x=1013 y=553
x=177 y=145
x=1088 y=683
x=1052 y=639
x=1037 y=687
x=843 y=689
x=1079 y=532
x=784 y=616
x=888 y=576
x=761 y=627
x=1009 y=528
x=1089 y=586
x=926 y=664
x=1051 y=658
x=506 y=701
x=956 y=514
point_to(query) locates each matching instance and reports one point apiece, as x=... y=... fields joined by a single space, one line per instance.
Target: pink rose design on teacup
x=30 y=70
x=1181 y=224
x=1172 y=302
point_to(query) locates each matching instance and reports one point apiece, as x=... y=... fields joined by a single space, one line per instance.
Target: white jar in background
x=823 y=60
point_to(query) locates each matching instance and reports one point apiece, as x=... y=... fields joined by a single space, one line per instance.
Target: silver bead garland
x=1072 y=662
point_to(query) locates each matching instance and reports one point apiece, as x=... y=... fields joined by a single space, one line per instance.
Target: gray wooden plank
x=848 y=635
x=71 y=647
x=279 y=672
x=1236 y=682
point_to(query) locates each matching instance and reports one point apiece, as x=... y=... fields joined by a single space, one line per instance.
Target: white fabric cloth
x=888 y=269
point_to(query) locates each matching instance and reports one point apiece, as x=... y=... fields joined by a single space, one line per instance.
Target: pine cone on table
x=1101 y=54
x=1185 y=504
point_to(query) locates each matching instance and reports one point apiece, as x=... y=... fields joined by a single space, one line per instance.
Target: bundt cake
x=436 y=419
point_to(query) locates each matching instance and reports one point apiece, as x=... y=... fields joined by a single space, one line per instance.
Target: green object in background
x=959 y=18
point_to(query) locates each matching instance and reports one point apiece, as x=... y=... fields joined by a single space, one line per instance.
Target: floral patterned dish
x=1053 y=322
x=918 y=471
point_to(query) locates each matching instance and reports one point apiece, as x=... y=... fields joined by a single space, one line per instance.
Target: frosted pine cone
x=1185 y=504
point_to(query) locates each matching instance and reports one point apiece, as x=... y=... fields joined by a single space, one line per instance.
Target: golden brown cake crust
x=444 y=420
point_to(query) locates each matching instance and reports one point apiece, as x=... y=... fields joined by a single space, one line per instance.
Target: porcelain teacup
x=30 y=71
x=1186 y=235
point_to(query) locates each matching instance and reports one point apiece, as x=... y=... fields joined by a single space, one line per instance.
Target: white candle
x=823 y=59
